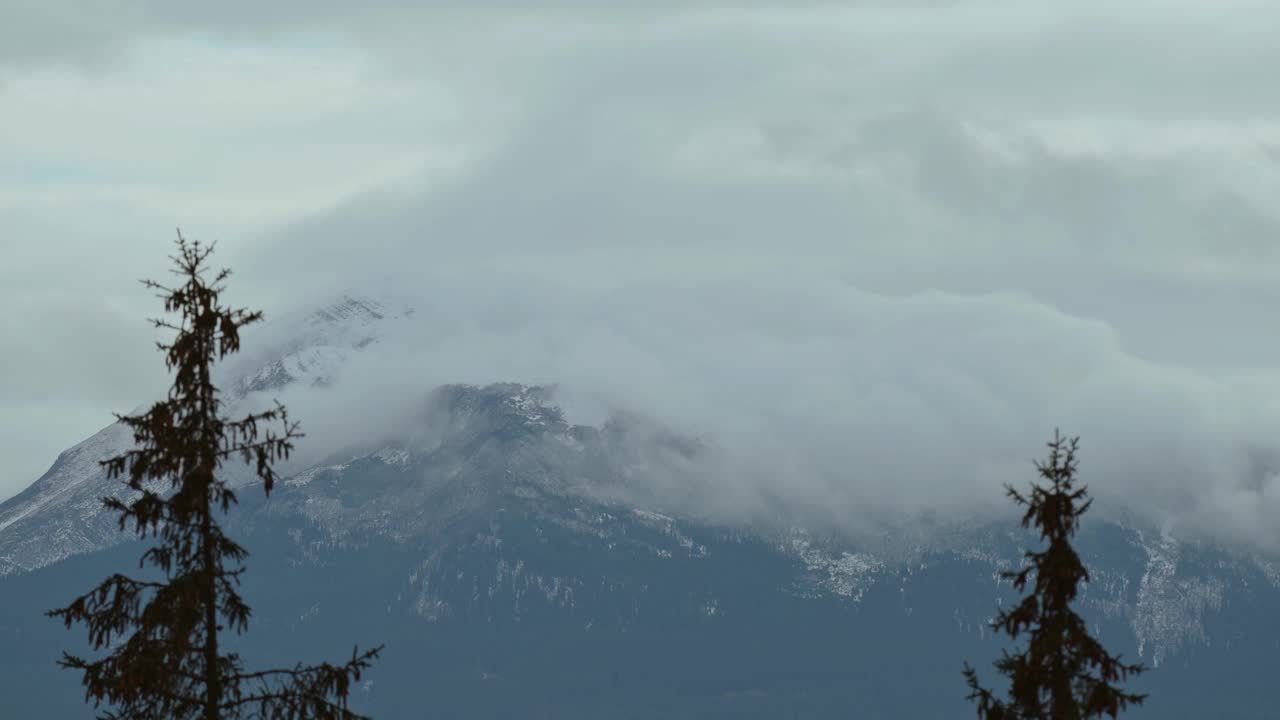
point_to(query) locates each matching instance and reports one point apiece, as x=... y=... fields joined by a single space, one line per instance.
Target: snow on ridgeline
x=307 y=349
x=61 y=513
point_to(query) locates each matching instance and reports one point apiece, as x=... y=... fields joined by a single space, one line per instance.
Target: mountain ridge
x=495 y=529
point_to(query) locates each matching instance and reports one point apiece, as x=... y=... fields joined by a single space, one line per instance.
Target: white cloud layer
x=873 y=251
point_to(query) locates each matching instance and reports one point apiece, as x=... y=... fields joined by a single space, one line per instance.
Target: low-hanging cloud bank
x=886 y=342
x=847 y=409
x=872 y=311
x=872 y=254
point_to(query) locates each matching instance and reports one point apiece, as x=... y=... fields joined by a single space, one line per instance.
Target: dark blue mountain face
x=496 y=558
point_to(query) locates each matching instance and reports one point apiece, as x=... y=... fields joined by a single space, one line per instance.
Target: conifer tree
x=1064 y=673
x=164 y=660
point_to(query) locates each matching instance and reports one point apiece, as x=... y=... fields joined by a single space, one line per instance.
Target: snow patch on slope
x=1170 y=608
x=848 y=575
x=73 y=469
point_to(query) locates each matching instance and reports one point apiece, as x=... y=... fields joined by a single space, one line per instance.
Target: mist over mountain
x=663 y=356
x=514 y=557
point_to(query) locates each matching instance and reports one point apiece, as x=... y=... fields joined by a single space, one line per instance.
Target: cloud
x=841 y=408
x=872 y=253
x=96 y=172
x=872 y=326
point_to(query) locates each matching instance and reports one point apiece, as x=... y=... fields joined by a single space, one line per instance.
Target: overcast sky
x=891 y=236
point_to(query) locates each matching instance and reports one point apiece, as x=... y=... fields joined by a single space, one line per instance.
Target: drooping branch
x=317 y=691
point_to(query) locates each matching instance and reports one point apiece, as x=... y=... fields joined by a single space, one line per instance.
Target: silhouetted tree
x=164 y=659
x=1064 y=673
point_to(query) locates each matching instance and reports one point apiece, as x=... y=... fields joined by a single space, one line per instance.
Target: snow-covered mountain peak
x=61 y=513
x=309 y=348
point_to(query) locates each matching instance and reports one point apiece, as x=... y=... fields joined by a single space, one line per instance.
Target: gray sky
x=891 y=236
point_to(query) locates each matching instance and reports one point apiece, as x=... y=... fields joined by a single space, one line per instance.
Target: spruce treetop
x=1063 y=673
x=164 y=659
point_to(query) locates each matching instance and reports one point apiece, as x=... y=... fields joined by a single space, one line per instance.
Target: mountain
x=61 y=514
x=514 y=566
